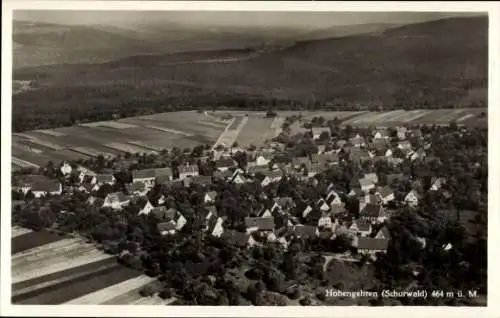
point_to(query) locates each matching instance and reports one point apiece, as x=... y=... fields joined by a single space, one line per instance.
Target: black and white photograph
x=182 y=158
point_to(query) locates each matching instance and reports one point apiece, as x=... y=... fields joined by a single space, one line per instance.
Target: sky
x=229 y=19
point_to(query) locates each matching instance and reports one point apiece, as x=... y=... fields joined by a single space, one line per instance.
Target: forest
x=204 y=270
x=440 y=64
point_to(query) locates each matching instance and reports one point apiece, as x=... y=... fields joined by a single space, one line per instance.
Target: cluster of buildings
x=281 y=218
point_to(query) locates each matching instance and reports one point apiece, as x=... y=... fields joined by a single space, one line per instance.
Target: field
x=48 y=269
x=145 y=134
x=152 y=133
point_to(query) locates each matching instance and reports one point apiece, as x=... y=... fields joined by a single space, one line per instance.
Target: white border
x=158 y=311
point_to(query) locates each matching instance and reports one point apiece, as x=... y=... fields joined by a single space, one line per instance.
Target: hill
x=427 y=65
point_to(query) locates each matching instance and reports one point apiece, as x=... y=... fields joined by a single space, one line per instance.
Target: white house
x=366 y=185
x=306 y=211
x=412 y=198
x=215 y=226
x=187 y=171
x=116 y=201
x=66 y=169
x=361 y=228
x=44 y=187
x=386 y=194
x=210 y=197
x=146 y=209
x=325 y=221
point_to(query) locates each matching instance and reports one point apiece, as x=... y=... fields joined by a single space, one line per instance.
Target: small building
x=65 y=169
x=386 y=194
x=404 y=145
x=366 y=185
x=105 y=178
x=371 y=177
x=146 y=209
x=373 y=213
x=357 y=141
x=271 y=176
x=371 y=246
x=188 y=171
x=214 y=226
x=251 y=171
x=239 y=239
x=116 y=201
x=210 y=197
x=167 y=228
x=41 y=188
x=300 y=162
x=262 y=160
x=318 y=131
x=305 y=231
x=412 y=198
x=437 y=183
x=325 y=221
x=363 y=228
x=137 y=188
x=383 y=233
x=259 y=224
x=224 y=164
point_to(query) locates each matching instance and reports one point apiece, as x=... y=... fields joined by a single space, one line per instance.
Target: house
x=27 y=182
x=323 y=206
x=224 y=164
x=66 y=169
x=262 y=160
x=325 y=221
x=251 y=171
x=210 y=197
x=42 y=188
x=88 y=185
x=373 y=213
x=271 y=176
x=363 y=228
x=161 y=213
x=299 y=162
x=306 y=211
x=386 y=194
x=366 y=185
x=381 y=134
x=380 y=145
x=357 y=141
x=404 y=145
x=371 y=177
x=337 y=209
x=137 y=188
x=239 y=239
x=188 y=171
x=214 y=226
x=116 y=201
x=401 y=132
x=368 y=198
x=259 y=224
x=321 y=148
x=412 y=198
x=371 y=246
x=395 y=177
x=84 y=172
x=437 y=183
x=223 y=175
x=105 y=178
x=146 y=176
x=325 y=159
x=146 y=209
x=333 y=198
x=238 y=178
x=388 y=153
x=314 y=169
x=167 y=228
x=317 y=131
x=305 y=231
x=199 y=180
x=383 y=233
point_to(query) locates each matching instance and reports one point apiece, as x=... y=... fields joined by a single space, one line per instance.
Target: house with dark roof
x=371 y=177
x=224 y=163
x=386 y=194
x=150 y=176
x=167 y=228
x=381 y=134
x=325 y=221
x=105 y=178
x=257 y=169
x=271 y=176
x=412 y=198
x=395 y=177
x=404 y=145
x=360 y=227
x=305 y=231
x=223 y=175
x=188 y=171
x=239 y=239
x=372 y=246
x=147 y=207
x=137 y=188
x=259 y=224
x=373 y=213
x=357 y=141
x=116 y=201
x=42 y=188
x=214 y=226
x=200 y=180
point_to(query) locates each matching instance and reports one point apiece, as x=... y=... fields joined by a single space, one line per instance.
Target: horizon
x=240 y=19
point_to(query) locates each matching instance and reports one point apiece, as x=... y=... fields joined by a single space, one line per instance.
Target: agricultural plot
x=256 y=131
x=70 y=271
x=229 y=136
x=50 y=132
x=128 y=148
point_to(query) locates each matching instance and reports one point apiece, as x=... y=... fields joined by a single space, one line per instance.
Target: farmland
x=152 y=133
x=48 y=269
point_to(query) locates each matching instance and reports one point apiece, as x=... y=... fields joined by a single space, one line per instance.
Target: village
x=358 y=213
